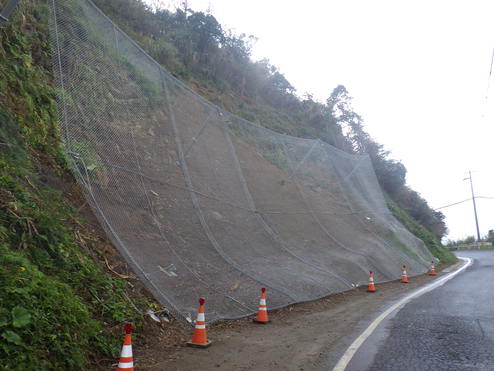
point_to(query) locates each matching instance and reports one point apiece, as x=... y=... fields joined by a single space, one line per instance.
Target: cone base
x=371 y=290
x=432 y=274
x=199 y=345
x=261 y=322
x=404 y=281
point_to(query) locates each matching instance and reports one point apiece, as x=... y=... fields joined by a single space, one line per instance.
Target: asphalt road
x=449 y=328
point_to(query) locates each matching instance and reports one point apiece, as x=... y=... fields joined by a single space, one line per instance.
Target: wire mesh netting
x=203 y=203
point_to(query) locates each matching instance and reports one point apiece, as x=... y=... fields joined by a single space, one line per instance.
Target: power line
x=460 y=202
x=453 y=204
x=490 y=74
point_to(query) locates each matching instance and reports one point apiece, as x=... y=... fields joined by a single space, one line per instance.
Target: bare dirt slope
x=202 y=203
x=146 y=201
x=299 y=337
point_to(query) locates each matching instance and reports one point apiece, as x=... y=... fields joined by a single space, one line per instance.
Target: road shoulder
x=301 y=337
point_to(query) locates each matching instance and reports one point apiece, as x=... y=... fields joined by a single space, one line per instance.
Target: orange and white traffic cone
x=126 y=362
x=199 y=339
x=404 y=277
x=370 y=286
x=262 y=313
x=432 y=271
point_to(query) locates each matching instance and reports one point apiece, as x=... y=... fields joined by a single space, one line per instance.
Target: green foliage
x=51 y=329
x=54 y=299
x=391 y=174
x=470 y=241
x=194 y=46
x=490 y=236
x=92 y=161
x=421 y=232
x=266 y=149
x=461 y=241
x=57 y=304
x=24 y=57
x=20 y=316
x=417 y=208
x=247 y=115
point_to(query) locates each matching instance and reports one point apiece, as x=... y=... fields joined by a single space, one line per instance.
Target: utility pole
x=474 y=206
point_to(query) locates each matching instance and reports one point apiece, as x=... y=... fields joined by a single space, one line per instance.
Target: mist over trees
x=217 y=63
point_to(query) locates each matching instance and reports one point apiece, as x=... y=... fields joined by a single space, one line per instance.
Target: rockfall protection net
x=203 y=203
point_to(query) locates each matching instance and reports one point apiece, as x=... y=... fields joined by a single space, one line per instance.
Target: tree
x=490 y=236
x=206 y=35
x=351 y=123
x=390 y=173
x=194 y=46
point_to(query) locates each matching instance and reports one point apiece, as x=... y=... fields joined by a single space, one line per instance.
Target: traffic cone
x=404 y=277
x=432 y=271
x=199 y=339
x=262 y=313
x=370 y=286
x=126 y=362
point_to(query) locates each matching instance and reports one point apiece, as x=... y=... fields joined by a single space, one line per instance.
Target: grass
x=59 y=308
x=491 y=247
x=421 y=232
x=56 y=302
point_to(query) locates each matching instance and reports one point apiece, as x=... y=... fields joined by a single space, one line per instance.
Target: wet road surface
x=450 y=328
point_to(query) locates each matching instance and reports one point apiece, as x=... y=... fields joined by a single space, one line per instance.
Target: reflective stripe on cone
x=262 y=313
x=199 y=338
x=371 y=287
x=404 y=277
x=126 y=362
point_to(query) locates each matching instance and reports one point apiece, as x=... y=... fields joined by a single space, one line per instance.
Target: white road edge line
x=354 y=347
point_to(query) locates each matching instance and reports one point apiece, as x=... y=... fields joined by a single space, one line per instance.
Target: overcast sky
x=418 y=72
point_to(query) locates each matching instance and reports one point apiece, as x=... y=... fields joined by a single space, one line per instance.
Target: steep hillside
x=216 y=63
x=65 y=291
x=203 y=203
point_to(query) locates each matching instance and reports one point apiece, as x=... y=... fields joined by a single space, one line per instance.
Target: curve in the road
x=357 y=343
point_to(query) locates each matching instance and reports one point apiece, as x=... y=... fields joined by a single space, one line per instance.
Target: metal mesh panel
x=203 y=203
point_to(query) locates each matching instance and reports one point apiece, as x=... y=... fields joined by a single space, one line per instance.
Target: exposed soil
x=167 y=334
x=299 y=337
x=298 y=254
